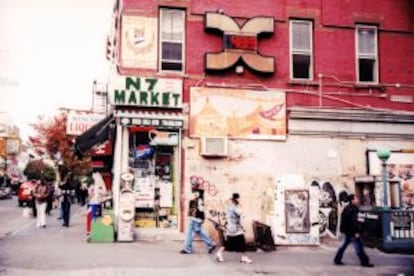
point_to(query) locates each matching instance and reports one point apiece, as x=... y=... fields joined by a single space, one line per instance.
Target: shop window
x=367 y=53
x=152 y=167
x=172 y=34
x=301 y=56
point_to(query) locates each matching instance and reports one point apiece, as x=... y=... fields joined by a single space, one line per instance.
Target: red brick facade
x=334 y=54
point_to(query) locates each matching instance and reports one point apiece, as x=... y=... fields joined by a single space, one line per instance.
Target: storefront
x=150 y=150
x=149 y=123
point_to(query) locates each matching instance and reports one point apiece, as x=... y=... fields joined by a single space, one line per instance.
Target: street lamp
x=383 y=155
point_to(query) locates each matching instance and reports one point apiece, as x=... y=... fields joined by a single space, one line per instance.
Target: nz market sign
x=146 y=92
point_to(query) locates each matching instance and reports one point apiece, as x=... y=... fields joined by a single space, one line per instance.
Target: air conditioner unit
x=214 y=146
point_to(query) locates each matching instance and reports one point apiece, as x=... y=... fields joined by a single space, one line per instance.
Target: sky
x=51 y=51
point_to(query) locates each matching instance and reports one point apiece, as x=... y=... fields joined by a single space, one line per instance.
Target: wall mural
x=139 y=42
x=238 y=113
x=329 y=204
x=400 y=168
x=404 y=173
x=297 y=211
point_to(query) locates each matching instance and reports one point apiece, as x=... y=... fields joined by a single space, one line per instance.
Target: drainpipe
x=320 y=89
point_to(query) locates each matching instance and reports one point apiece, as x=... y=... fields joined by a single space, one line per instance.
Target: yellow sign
x=2 y=147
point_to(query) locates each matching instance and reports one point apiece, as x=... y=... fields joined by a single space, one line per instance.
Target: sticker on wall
x=143 y=152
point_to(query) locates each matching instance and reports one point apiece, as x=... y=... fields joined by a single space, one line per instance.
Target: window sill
x=303 y=82
x=377 y=86
x=170 y=74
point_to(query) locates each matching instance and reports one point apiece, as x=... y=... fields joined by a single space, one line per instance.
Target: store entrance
x=154 y=166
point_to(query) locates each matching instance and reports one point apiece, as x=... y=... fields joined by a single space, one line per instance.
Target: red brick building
x=283 y=101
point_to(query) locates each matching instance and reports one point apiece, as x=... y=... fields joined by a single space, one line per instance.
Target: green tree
x=37 y=169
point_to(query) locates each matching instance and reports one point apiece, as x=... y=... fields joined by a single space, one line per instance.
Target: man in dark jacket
x=351 y=229
x=196 y=219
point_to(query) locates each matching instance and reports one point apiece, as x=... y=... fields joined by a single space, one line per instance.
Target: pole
x=385 y=183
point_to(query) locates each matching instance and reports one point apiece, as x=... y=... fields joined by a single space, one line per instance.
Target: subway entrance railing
x=390 y=230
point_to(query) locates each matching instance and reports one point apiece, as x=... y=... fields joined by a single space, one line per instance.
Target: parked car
x=25 y=193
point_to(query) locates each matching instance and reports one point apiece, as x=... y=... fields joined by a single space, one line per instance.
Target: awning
x=97 y=134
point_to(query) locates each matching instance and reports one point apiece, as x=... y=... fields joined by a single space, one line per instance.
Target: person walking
x=50 y=197
x=41 y=193
x=195 y=225
x=351 y=229
x=66 y=192
x=234 y=232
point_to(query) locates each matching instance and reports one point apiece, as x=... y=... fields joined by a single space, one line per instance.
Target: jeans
x=41 y=213
x=195 y=227
x=358 y=246
x=66 y=212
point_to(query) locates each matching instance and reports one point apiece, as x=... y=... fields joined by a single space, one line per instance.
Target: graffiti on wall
x=198 y=183
x=329 y=204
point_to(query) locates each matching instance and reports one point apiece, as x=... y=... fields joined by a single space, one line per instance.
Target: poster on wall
x=297 y=211
x=238 y=113
x=400 y=167
x=144 y=188
x=139 y=42
x=166 y=194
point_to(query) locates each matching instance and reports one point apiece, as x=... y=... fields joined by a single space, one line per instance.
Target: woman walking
x=41 y=194
x=235 y=239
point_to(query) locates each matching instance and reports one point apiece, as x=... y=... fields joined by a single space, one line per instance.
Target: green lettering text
x=130 y=82
x=154 y=98
x=119 y=96
x=143 y=98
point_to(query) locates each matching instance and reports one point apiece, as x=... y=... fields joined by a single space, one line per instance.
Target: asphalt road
x=56 y=250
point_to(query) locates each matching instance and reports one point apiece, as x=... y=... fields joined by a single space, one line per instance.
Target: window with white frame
x=172 y=34
x=301 y=56
x=367 y=53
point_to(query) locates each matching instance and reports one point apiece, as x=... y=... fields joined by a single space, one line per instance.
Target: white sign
x=78 y=122
x=144 y=192
x=157 y=137
x=166 y=194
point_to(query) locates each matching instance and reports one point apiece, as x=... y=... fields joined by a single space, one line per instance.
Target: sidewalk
x=64 y=251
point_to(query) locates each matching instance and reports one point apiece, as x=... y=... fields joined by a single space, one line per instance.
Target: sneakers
x=245 y=260
x=367 y=265
x=184 y=252
x=211 y=249
x=219 y=257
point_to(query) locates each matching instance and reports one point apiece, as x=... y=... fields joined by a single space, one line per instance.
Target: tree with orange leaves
x=52 y=137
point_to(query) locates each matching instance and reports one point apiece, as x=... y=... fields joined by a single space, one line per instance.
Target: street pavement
x=56 y=250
